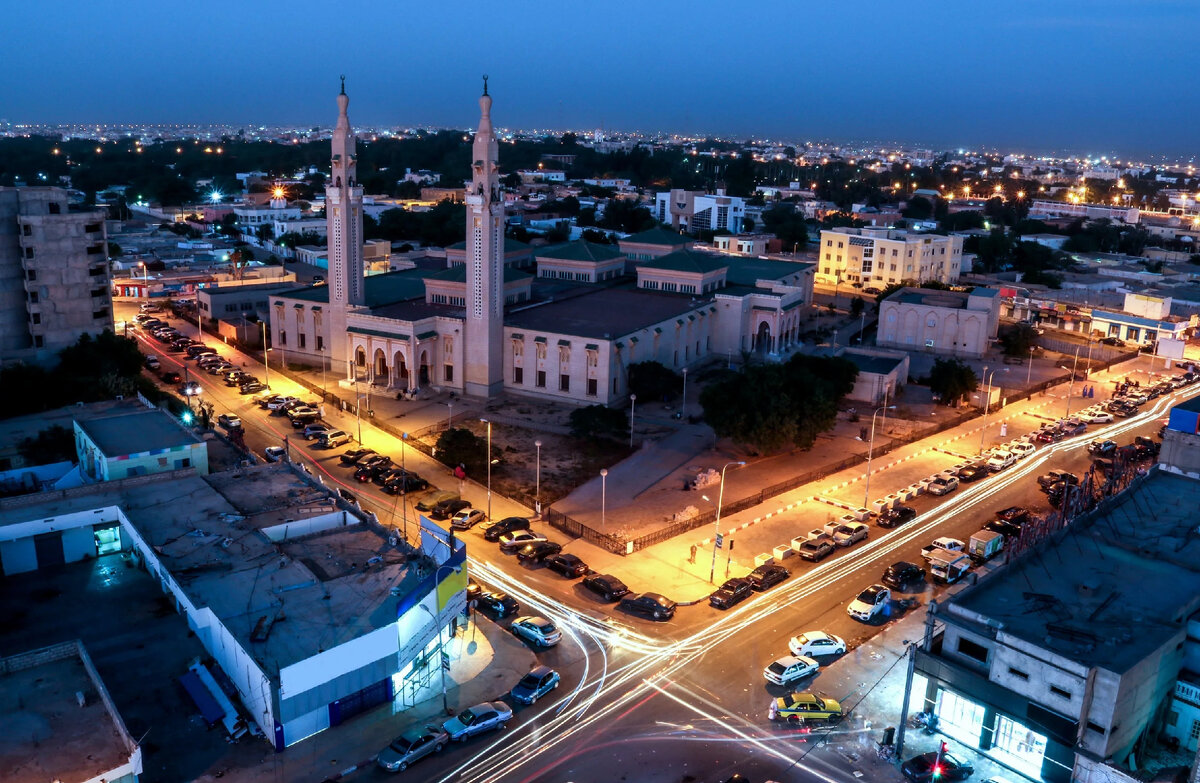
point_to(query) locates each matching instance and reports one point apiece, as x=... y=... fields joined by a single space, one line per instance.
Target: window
x=519 y=375
x=592 y=387
x=55 y=209
x=282 y=337
x=972 y=650
x=31 y=274
x=302 y=339
x=1060 y=693
x=320 y=342
x=1018 y=673
x=449 y=373
x=564 y=382
x=38 y=341
x=540 y=380
x=37 y=318
x=33 y=297
x=29 y=252
x=1100 y=729
x=27 y=230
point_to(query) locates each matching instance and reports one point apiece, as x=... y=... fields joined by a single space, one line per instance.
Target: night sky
x=1093 y=76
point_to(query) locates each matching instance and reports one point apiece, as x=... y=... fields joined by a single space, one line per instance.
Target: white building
x=693 y=211
x=251 y=216
x=1129 y=215
x=879 y=257
x=955 y=323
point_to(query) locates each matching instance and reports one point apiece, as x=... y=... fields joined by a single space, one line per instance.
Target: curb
x=350 y=770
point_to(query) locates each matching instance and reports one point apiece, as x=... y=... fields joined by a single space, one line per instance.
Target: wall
x=302 y=527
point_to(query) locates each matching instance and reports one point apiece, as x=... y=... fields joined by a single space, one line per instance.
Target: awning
x=657 y=330
x=427 y=335
x=565 y=342
x=591 y=347
x=517 y=336
x=209 y=709
x=633 y=340
x=539 y=339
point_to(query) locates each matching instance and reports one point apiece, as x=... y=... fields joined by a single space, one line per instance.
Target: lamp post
x=1029 y=370
x=537 y=482
x=604 y=499
x=1071 y=386
x=266 y=362
x=323 y=357
x=403 y=488
x=358 y=406
x=717 y=525
x=871 y=452
x=450 y=415
x=683 y=399
x=489 y=466
x=437 y=621
x=632 y=403
x=987 y=404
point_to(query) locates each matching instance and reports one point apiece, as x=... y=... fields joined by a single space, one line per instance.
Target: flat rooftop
x=47 y=735
x=931 y=298
x=284 y=602
x=16 y=429
x=1112 y=591
x=607 y=313
x=136 y=432
x=869 y=362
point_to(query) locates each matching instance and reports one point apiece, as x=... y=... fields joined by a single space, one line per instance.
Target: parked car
x=607 y=586
x=1022 y=449
x=315 y=431
x=498 y=604
x=448 y=508
x=536 y=551
x=814 y=643
x=896 y=516
x=789 y=669
x=252 y=387
x=1052 y=477
x=229 y=421
x=533 y=686
x=1102 y=448
x=331 y=439
x=850 y=533
x=493 y=531
x=649 y=604
x=536 y=630
x=467 y=518
x=568 y=565
x=353 y=456
x=903 y=574
x=1000 y=460
x=870 y=603
x=943 y=485
x=1051 y=434
x=276 y=403
x=152 y=362
x=369 y=470
x=171 y=377
x=1149 y=444
x=433 y=498
x=1113 y=341
x=489 y=716
x=973 y=472
x=816 y=550
x=767 y=575
x=933 y=765
x=1017 y=515
x=805 y=707
x=413 y=745
x=511 y=542
x=274 y=453
x=731 y=593
x=1072 y=427
x=401 y=482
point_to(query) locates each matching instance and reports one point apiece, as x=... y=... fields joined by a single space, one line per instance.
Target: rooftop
x=381 y=290
x=510 y=246
x=872 y=363
x=579 y=250
x=607 y=313
x=1111 y=591
x=284 y=602
x=47 y=735
x=657 y=236
x=931 y=298
x=686 y=260
x=747 y=271
x=16 y=429
x=136 y=432
x=458 y=274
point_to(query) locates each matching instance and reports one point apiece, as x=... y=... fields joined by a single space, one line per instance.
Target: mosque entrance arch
x=381 y=367
x=400 y=369
x=423 y=373
x=762 y=338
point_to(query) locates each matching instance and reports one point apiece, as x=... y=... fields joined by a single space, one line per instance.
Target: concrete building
x=955 y=323
x=651 y=243
x=226 y=300
x=693 y=211
x=251 y=217
x=54 y=277
x=310 y=609
x=746 y=244
x=140 y=442
x=1068 y=667
x=879 y=257
x=880 y=374
x=1062 y=209
x=60 y=723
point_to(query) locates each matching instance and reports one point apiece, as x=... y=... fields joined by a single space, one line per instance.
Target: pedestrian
x=692 y=559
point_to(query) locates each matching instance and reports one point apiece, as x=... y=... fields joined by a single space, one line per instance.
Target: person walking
x=692 y=559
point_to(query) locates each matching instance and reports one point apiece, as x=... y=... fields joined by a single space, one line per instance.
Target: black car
x=473 y=590
x=606 y=586
x=498 y=604
x=649 y=604
x=731 y=593
x=1049 y=479
x=1102 y=448
x=493 y=531
x=1016 y=515
x=537 y=551
x=1006 y=529
x=900 y=575
x=172 y=377
x=767 y=575
x=816 y=550
x=973 y=473
x=896 y=516
x=932 y=765
x=448 y=508
x=356 y=455
x=1148 y=443
x=1113 y=341
x=1057 y=494
x=404 y=483
x=568 y=565
x=368 y=472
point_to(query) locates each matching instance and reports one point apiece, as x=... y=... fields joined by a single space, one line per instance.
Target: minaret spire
x=344 y=232
x=485 y=262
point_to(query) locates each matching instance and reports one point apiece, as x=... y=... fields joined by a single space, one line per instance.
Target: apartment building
x=693 y=211
x=879 y=257
x=54 y=276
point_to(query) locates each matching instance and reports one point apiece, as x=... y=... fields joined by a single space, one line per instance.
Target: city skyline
x=1017 y=82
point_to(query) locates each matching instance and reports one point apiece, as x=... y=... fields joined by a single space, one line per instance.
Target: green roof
x=658 y=236
x=748 y=271
x=687 y=261
x=376 y=333
x=510 y=246
x=579 y=250
x=381 y=290
x=458 y=274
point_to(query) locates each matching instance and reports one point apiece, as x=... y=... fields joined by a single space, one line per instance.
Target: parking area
x=140 y=647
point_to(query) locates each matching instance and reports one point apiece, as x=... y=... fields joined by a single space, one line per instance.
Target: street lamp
x=489 y=467
x=987 y=404
x=603 y=499
x=871 y=452
x=403 y=487
x=632 y=403
x=1029 y=370
x=537 y=485
x=358 y=406
x=266 y=362
x=437 y=621
x=717 y=526
x=683 y=400
x=1071 y=386
x=450 y=415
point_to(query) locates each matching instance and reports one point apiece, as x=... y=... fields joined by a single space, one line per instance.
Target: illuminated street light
x=215 y=197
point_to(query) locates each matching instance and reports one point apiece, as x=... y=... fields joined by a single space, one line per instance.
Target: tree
x=53 y=444
x=856 y=307
x=918 y=208
x=652 y=381
x=598 y=421
x=786 y=224
x=460 y=446
x=114 y=250
x=1018 y=339
x=951 y=380
x=511 y=180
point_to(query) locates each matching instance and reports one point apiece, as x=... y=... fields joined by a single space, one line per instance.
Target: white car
x=850 y=533
x=943 y=485
x=1001 y=460
x=273 y=453
x=275 y=405
x=870 y=603
x=513 y=541
x=536 y=630
x=1022 y=449
x=811 y=643
x=790 y=668
x=1097 y=417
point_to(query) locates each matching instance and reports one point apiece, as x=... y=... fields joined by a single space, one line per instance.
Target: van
x=433 y=498
x=947 y=567
x=333 y=439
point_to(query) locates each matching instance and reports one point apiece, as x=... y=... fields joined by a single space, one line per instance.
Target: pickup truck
x=950 y=544
x=947 y=567
x=1099 y=448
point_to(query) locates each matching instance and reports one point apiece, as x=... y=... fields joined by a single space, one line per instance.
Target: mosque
x=562 y=322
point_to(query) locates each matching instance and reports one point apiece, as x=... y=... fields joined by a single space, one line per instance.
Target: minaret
x=484 y=327
x=344 y=234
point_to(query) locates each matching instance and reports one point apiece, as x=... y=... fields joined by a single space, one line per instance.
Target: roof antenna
x=485 y=84
x=343 y=84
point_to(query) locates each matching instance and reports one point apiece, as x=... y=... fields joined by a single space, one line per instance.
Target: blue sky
x=1097 y=76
